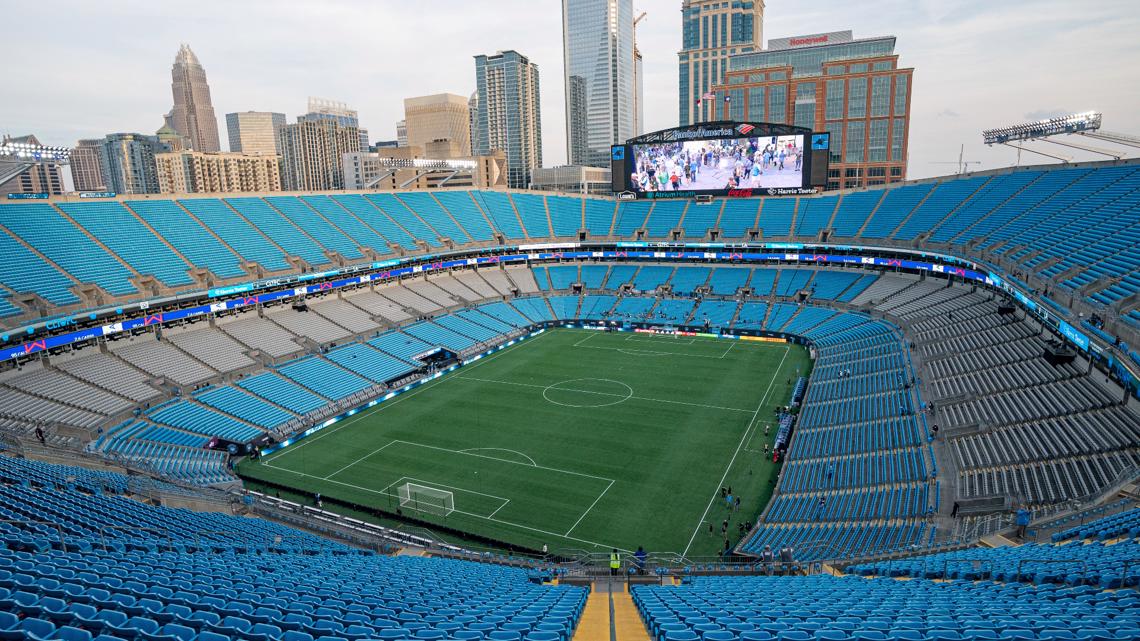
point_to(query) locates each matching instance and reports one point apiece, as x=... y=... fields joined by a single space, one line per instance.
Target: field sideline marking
x=638 y=338
x=589 y=509
x=732 y=344
x=737 y=452
x=360 y=459
x=586 y=391
x=592 y=334
x=479 y=516
x=626 y=350
x=402 y=397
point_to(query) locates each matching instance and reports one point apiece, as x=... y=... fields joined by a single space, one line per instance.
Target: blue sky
x=88 y=68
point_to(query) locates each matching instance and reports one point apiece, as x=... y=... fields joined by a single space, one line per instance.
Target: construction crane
x=636 y=78
x=963 y=165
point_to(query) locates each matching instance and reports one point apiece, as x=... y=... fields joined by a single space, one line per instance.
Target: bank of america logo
x=744 y=130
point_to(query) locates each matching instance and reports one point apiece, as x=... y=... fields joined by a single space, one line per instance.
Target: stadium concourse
x=929 y=417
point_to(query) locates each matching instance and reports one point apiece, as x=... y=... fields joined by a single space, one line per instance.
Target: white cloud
x=978 y=64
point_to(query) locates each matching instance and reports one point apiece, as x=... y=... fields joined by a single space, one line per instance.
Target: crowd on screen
x=732 y=163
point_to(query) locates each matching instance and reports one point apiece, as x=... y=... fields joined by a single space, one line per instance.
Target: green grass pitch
x=577 y=439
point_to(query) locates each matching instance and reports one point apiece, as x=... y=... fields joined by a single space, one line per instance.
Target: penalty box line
x=396 y=401
x=468 y=453
x=478 y=516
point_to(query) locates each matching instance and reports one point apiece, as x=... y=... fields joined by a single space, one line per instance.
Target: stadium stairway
x=628 y=625
x=595 y=623
x=610 y=614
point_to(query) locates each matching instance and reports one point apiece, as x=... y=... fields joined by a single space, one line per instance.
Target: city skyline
x=270 y=69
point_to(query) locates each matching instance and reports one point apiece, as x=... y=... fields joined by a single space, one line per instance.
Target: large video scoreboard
x=721 y=159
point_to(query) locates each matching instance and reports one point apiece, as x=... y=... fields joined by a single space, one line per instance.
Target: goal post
x=423 y=498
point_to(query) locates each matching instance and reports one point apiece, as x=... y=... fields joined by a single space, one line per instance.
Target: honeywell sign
x=810 y=40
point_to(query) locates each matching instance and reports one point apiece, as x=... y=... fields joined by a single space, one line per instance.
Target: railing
x=57 y=526
x=352 y=531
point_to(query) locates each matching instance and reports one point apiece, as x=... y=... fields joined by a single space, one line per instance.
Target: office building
x=254 y=132
x=312 y=150
x=441 y=118
x=401 y=133
x=401 y=168
x=193 y=113
x=598 y=54
x=509 y=116
x=84 y=161
x=190 y=172
x=473 y=116
x=324 y=109
x=711 y=31
x=126 y=162
x=573 y=179
x=36 y=179
x=832 y=82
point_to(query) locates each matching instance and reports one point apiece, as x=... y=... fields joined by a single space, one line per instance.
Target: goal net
x=426 y=499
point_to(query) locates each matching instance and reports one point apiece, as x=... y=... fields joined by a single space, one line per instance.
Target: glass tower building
x=598 y=54
x=711 y=31
x=508 y=118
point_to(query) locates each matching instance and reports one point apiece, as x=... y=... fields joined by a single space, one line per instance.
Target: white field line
x=480 y=516
x=403 y=397
x=636 y=398
x=588 y=509
x=743 y=436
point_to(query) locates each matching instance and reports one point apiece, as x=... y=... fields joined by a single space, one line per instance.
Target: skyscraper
x=853 y=88
x=193 y=113
x=324 y=109
x=254 y=132
x=713 y=30
x=85 y=171
x=509 y=118
x=472 y=117
x=126 y=162
x=442 y=117
x=597 y=49
x=312 y=152
x=401 y=133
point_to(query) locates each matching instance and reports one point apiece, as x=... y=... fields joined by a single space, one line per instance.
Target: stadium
x=739 y=379
x=520 y=385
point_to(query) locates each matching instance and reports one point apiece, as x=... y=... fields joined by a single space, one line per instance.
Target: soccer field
x=576 y=439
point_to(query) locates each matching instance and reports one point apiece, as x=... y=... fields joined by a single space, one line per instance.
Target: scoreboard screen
x=725 y=159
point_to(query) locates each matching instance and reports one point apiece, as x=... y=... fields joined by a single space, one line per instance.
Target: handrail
x=57 y=526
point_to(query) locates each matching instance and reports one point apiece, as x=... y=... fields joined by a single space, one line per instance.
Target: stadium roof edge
x=997 y=171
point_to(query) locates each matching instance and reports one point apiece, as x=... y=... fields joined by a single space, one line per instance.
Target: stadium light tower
x=1083 y=124
x=16 y=157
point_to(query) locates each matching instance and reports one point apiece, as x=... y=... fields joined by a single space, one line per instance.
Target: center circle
x=587 y=392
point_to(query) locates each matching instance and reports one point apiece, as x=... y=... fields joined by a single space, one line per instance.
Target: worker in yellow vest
x=615 y=563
